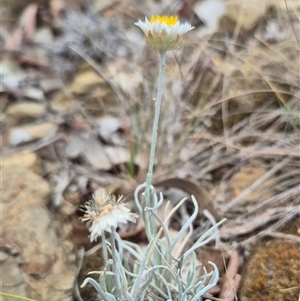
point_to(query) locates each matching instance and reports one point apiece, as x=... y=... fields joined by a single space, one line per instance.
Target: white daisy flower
x=105 y=212
x=164 y=32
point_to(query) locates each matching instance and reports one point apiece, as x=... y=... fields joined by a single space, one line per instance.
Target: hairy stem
x=161 y=76
x=115 y=264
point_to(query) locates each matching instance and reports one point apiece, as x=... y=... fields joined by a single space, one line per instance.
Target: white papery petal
x=143 y=26
x=161 y=36
x=103 y=213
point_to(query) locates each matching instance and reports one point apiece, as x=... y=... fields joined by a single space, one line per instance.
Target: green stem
x=161 y=76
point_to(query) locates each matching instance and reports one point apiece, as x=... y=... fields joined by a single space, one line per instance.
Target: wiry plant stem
x=155 y=126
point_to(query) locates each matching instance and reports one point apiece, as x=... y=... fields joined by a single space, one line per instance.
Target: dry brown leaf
x=96 y=155
x=121 y=155
x=12 y=76
x=99 y=156
x=191 y=188
x=244 y=14
x=28 y=21
x=74 y=146
x=117 y=155
x=210 y=13
x=33 y=93
x=85 y=81
x=61 y=180
x=88 y=146
x=26 y=109
x=15 y=40
x=30 y=132
x=125 y=78
x=231 y=278
x=62 y=103
x=217 y=256
x=56 y=7
x=110 y=129
x=101 y=5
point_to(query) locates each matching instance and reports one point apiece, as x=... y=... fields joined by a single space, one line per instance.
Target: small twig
x=257 y=183
x=276 y=199
x=242 y=226
x=288 y=215
x=286 y=219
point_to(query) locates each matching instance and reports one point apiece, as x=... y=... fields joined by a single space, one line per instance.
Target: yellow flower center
x=169 y=20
